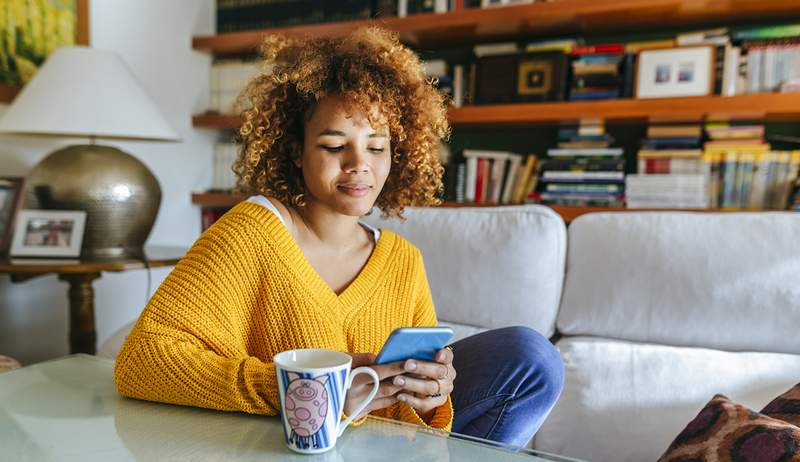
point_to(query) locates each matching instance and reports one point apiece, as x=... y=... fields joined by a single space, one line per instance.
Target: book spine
x=472 y=180
x=479 y=181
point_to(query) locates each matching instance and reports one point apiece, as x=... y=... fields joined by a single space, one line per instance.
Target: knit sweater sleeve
x=188 y=346
x=424 y=316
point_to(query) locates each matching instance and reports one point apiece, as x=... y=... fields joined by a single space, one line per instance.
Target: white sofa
x=653 y=313
x=659 y=310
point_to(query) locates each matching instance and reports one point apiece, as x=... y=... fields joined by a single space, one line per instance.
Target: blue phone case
x=414 y=342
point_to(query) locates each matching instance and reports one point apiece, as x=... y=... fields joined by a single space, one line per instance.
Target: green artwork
x=29 y=31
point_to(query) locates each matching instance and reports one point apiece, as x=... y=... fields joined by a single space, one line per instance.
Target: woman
x=338 y=126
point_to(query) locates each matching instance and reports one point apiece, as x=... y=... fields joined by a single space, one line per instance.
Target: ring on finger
x=438 y=390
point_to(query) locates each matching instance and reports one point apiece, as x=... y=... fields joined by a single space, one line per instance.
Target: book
x=471 y=180
x=596 y=49
x=692 y=131
x=527 y=179
x=768 y=32
x=514 y=165
x=669 y=153
x=612 y=152
x=495 y=49
x=582 y=176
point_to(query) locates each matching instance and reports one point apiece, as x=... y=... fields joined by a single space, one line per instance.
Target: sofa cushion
x=625 y=401
x=715 y=280
x=489 y=267
x=785 y=407
x=726 y=431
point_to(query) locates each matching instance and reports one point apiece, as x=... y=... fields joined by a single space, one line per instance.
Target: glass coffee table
x=68 y=409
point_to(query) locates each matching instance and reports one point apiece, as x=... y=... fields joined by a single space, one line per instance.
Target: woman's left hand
x=426 y=384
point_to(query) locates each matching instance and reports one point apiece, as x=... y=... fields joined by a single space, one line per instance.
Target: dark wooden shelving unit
x=568 y=213
x=560 y=17
x=765 y=107
x=556 y=18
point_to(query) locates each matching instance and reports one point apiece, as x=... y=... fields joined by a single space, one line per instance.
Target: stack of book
x=744 y=172
x=671 y=173
x=438 y=71
x=240 y=15
x=772 y=56
x=223 y=178
x=596 y=72
x=228 y=78
x=583 y=170
x=496 y=177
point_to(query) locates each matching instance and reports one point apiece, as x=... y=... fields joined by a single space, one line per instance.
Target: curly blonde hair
x=368 y=67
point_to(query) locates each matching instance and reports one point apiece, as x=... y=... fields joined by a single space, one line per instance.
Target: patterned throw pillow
x=725 y=431
x=786 y=407
x=6 y=363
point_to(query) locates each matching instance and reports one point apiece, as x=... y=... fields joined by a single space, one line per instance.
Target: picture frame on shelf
x=521 y=77
x=541 y=77
x=10 y=200
x=675 y=72
x=48 y=233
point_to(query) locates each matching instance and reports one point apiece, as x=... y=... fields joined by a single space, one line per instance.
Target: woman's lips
x=354 y=190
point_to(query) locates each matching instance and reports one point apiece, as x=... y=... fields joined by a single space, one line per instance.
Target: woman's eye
x=333 y=148
x=376 y=149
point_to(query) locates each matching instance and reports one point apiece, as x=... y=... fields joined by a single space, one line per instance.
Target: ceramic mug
x=313 y=384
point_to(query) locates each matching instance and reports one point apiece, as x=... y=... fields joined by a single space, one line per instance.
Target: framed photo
x=521 y=77
x=48 y=233
x=37 y=30
x=541 y=76
x=675 y=72
x=10 y=200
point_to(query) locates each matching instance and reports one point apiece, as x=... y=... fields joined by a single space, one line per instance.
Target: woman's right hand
x=362 y=384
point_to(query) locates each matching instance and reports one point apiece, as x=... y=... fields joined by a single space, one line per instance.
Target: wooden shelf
x=568 y=213
x=215 y=120
x=8 y=93
x=211 y=199
x=559 y=17
x=766 y=106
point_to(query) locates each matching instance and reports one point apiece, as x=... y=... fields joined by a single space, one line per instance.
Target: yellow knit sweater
x=245 y=292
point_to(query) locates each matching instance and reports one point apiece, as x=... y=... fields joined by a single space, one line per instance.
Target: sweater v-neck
x=289 y=250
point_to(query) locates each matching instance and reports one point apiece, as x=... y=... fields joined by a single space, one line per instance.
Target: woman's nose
x=355 y=160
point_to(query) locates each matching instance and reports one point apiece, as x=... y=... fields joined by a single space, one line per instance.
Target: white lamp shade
x=81 y=91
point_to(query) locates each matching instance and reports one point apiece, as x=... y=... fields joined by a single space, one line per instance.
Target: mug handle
x=376 y=383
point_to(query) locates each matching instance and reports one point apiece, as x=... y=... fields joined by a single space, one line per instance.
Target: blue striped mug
x=313 y=384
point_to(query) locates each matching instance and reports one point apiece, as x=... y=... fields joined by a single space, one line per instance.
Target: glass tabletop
x=68 y=409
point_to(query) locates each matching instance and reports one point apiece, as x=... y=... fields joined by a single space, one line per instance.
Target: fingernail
x=399 y=381
x=402 y=398
x=411 y=365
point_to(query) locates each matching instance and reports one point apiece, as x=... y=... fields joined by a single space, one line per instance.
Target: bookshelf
x=568 y=213
x=766 y=107
x=557 y=18
x=561 y=17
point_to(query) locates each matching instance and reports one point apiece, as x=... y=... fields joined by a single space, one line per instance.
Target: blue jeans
x=507 y=382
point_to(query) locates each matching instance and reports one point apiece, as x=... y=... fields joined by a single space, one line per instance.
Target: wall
x=154 y=38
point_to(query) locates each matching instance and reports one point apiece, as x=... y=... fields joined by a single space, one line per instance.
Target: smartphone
x=414 y=342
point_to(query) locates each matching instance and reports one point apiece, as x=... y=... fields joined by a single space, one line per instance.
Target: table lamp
x=90 y=93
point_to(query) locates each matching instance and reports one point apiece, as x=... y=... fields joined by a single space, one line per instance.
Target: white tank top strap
x=263 y=201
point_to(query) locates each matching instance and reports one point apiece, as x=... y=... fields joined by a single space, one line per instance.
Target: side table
x=80 y=275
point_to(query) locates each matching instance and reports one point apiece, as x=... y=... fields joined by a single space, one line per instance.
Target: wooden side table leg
x=82 y=334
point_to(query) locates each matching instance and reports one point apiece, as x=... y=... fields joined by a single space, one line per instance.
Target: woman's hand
x=362 y=385
x=429 y=383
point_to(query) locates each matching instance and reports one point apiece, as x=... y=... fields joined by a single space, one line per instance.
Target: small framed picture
x=48 y=233
x=10 y=200
x=675 y=72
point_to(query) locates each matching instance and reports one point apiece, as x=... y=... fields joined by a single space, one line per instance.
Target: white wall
x=154 y=38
